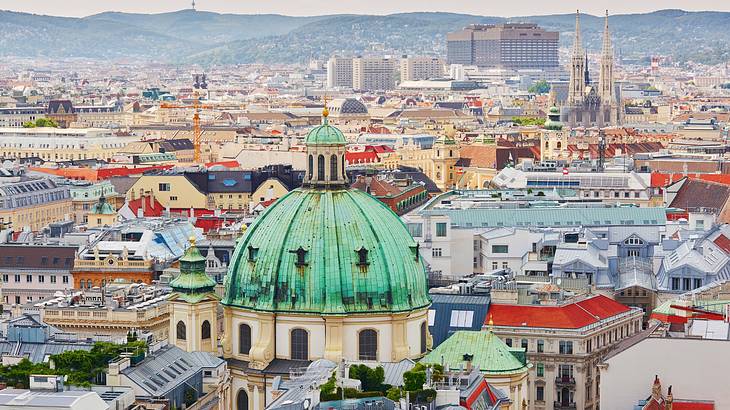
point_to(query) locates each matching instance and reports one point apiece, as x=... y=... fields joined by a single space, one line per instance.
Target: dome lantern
x=326 y=146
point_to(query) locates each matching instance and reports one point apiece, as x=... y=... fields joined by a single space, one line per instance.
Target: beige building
x=34 y=203
x=421 y=68
x=373 y=73
x=60 y=144
x=566 y=344
x=339 y=72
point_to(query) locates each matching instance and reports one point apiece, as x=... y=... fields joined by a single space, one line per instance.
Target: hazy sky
x=318 y=7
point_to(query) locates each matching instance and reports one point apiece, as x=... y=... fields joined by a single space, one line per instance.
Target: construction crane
x=199 y=83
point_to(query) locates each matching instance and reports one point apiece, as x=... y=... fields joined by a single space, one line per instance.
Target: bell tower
x=576 y=90
x=326 y=146
x=193 y=305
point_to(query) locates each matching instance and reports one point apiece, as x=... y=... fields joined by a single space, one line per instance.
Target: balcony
x=563 y=406
x=565 y=381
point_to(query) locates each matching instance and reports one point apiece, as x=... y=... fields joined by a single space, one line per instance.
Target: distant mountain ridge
x=212 y=38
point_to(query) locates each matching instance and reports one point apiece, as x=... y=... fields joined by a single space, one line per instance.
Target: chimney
x=656 y=389
x=670 y=399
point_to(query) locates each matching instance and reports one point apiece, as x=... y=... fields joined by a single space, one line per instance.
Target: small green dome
x=553 y=120
x=327 y=252
x=325 y=134
x=192 y=283
x=487 y=351
x=554 y=110
x=102 y=207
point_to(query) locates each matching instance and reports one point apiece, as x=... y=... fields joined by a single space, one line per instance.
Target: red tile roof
x=571 y=316
x=692 y=405
x=723 y=242
x=660 y=180
x=150 y=206
x=361 y=157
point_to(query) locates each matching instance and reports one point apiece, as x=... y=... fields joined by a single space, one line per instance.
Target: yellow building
x=438 y=163
x=33 y=204
x=174 y=191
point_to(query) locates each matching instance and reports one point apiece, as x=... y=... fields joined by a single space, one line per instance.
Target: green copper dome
x=325 y=134
x=102 y=207
x=327 y=252
x=487 y=351
x=553 y=120
x=192 y=283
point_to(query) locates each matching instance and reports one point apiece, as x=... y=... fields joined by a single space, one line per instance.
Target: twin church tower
x=589 y=105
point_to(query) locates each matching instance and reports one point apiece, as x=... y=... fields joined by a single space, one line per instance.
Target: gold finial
x=491 y=323
x=191 y=239
x=325 y=111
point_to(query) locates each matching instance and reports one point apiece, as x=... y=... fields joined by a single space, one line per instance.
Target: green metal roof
x=325 y=134
x=102 y=207
x=489 y=353
x=192 y=283
x=327 y=227
x=443 y=139
x=554 y=217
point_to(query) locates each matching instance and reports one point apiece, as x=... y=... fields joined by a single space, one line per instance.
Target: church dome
x=347 y=106
x=327 y=251
x=325 y=134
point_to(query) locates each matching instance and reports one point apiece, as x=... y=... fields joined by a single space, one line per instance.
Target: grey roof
x=37 y=352
x=634 y=271
x=43 y=400
x=553 y=217
x=167 y=368
x=394 y=371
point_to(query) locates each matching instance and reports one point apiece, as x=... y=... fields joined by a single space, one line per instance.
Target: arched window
x=299 y=344
x=424 y=333
x=368 y=344
x=311 y=166
x=181 y=331
x=320 y=168
x=89 y=284
x=242 y=400
x=333 y=168
x=205 y=330
x=244 y=338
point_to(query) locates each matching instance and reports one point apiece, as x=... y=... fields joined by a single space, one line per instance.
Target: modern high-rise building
x=374 y=73
x=421 y=68
x=339 y=72
x=510 y=45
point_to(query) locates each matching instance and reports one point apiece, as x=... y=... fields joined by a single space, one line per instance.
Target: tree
x=540 y=87
x=528 y=121
x=371 y=379
x=41 y=122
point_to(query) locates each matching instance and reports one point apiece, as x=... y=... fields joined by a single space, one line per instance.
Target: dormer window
x=252 y=253
x=415 y=249
x=362 y=257
x=301 y=257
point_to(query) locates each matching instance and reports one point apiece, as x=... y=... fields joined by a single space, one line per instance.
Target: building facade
x=373 y=73
x=34 y=204
x=339 y=72
x=511 y=45
x=421 y=68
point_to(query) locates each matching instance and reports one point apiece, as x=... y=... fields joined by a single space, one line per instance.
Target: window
x=686 y=283
x=675 y=283
x=540 y=393
x=164 y=187
x=431 y=317
x=41 y=279
x=697 y=283
x=311 y=166
x=242 y=400
x=461 y=318
x=173 y=198
x=500 y=248
x=181 y=331
x=368 y=344
x=495 y=265
x=5 y=278
x=540 y=346
x=244 y=338
x=424 y=336
x=436 y=252
x=415 y=229
x=300 y=342
x=508 y=342
x=205 y=330
x=441 y=229
x=524 y=344
x=29 y=278
x=320 y=168
x=333 y=168
x=566 y=347
x=505 y=265
x=65 y=278
x=632 y=253
x=540 y=369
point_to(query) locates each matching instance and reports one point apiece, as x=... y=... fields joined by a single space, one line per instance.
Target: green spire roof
x=443 y=139
x=102 y=207
x=327 y=252
x=489 y=353
x=192 y=283
x=325 y=134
